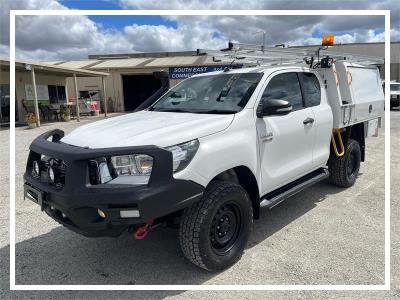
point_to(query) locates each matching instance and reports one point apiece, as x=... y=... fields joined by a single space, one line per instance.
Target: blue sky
x=119 y=22
x=116 y=22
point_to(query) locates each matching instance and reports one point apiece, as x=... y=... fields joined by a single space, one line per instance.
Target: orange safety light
x=327 y=40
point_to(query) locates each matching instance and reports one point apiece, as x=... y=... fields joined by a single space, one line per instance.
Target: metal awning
x=35 y=68
x=24 y=65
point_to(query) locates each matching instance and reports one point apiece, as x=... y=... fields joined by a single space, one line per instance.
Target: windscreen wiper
x=172 y=110
x=217 y=111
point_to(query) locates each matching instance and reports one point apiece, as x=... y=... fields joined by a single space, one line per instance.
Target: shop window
x=53 y=94
x=61 y=93
x=57 y=93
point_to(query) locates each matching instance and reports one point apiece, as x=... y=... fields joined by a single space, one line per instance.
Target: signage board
x=41 y=90
x=186 y=72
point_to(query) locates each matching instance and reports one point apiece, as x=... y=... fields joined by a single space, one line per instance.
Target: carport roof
x=119 y=63
x=137 y=62
x=173 y=61
x=74 y=63
x=41 y=67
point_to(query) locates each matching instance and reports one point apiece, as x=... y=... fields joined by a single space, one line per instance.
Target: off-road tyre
x=344 y=170
x=224 y=205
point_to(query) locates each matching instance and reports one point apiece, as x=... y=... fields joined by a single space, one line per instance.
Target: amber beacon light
x=327 y=40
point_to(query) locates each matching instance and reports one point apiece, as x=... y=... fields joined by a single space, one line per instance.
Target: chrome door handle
x=308 y=121
x=267 y=137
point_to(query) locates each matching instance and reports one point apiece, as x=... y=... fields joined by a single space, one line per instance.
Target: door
x=316 y=99
x=285 y=142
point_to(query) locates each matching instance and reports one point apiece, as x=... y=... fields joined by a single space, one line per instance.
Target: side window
x=285 y=86
x=311 y=89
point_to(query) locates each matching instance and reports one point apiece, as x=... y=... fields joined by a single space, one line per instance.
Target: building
x=38 y=86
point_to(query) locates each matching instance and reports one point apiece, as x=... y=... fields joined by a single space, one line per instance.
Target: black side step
x=277 y=196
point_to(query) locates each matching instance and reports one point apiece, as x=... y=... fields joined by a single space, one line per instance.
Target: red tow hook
x=141 y=232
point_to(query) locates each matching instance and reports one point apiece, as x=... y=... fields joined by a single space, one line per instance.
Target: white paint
x=147 y=128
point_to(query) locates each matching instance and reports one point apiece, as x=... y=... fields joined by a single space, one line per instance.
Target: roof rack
x=258 y=55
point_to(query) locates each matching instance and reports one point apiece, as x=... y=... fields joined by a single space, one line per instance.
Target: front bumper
x=76 y=203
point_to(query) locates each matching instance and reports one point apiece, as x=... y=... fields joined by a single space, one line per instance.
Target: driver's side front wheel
x=214 y=231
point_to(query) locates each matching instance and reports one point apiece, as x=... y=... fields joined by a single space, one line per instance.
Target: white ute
x=249 y=138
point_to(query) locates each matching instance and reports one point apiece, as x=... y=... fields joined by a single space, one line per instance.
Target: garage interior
x=138 y=88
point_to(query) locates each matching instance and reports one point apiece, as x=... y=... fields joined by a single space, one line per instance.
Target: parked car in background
x=394 y=94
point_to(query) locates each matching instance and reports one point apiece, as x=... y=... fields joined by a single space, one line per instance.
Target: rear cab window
x=300 y=89
x=311 y=89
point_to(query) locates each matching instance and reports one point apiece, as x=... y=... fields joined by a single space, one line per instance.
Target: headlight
x=182 y=154
x=144 y=164
x=138 y=164
x=104 y=172
x=124 y=169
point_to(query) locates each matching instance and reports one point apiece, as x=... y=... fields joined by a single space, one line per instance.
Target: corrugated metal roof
x=143 y=62
x=119 y=63
x=78 y=63
x=173 y=61
x=53 y=62
x=41 y=67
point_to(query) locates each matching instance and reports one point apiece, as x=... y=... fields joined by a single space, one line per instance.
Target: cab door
x=314 y=96
x=285 y=142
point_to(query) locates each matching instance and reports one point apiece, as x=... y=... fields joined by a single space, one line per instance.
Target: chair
x=44 y=111
x=56 y=113
x=73 y=112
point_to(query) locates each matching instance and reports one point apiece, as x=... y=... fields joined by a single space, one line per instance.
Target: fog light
x=101 y=213
x=129 y=214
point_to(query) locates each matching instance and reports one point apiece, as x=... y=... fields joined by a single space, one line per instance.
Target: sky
x=75 y=37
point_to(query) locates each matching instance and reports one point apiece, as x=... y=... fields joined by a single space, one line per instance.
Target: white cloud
x=162 y=38
x=7 y=5
x=74 y=37
x=57 y=37
x=328 y=23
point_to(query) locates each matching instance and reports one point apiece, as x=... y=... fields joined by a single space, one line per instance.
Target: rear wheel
x=344 y=170
x=214 y=231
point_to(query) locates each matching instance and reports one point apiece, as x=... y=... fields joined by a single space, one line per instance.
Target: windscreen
x=214 y=94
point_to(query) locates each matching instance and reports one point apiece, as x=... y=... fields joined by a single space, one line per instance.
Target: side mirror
x=273 y=107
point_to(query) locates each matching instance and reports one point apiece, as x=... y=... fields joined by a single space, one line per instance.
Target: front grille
x=59 y=172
